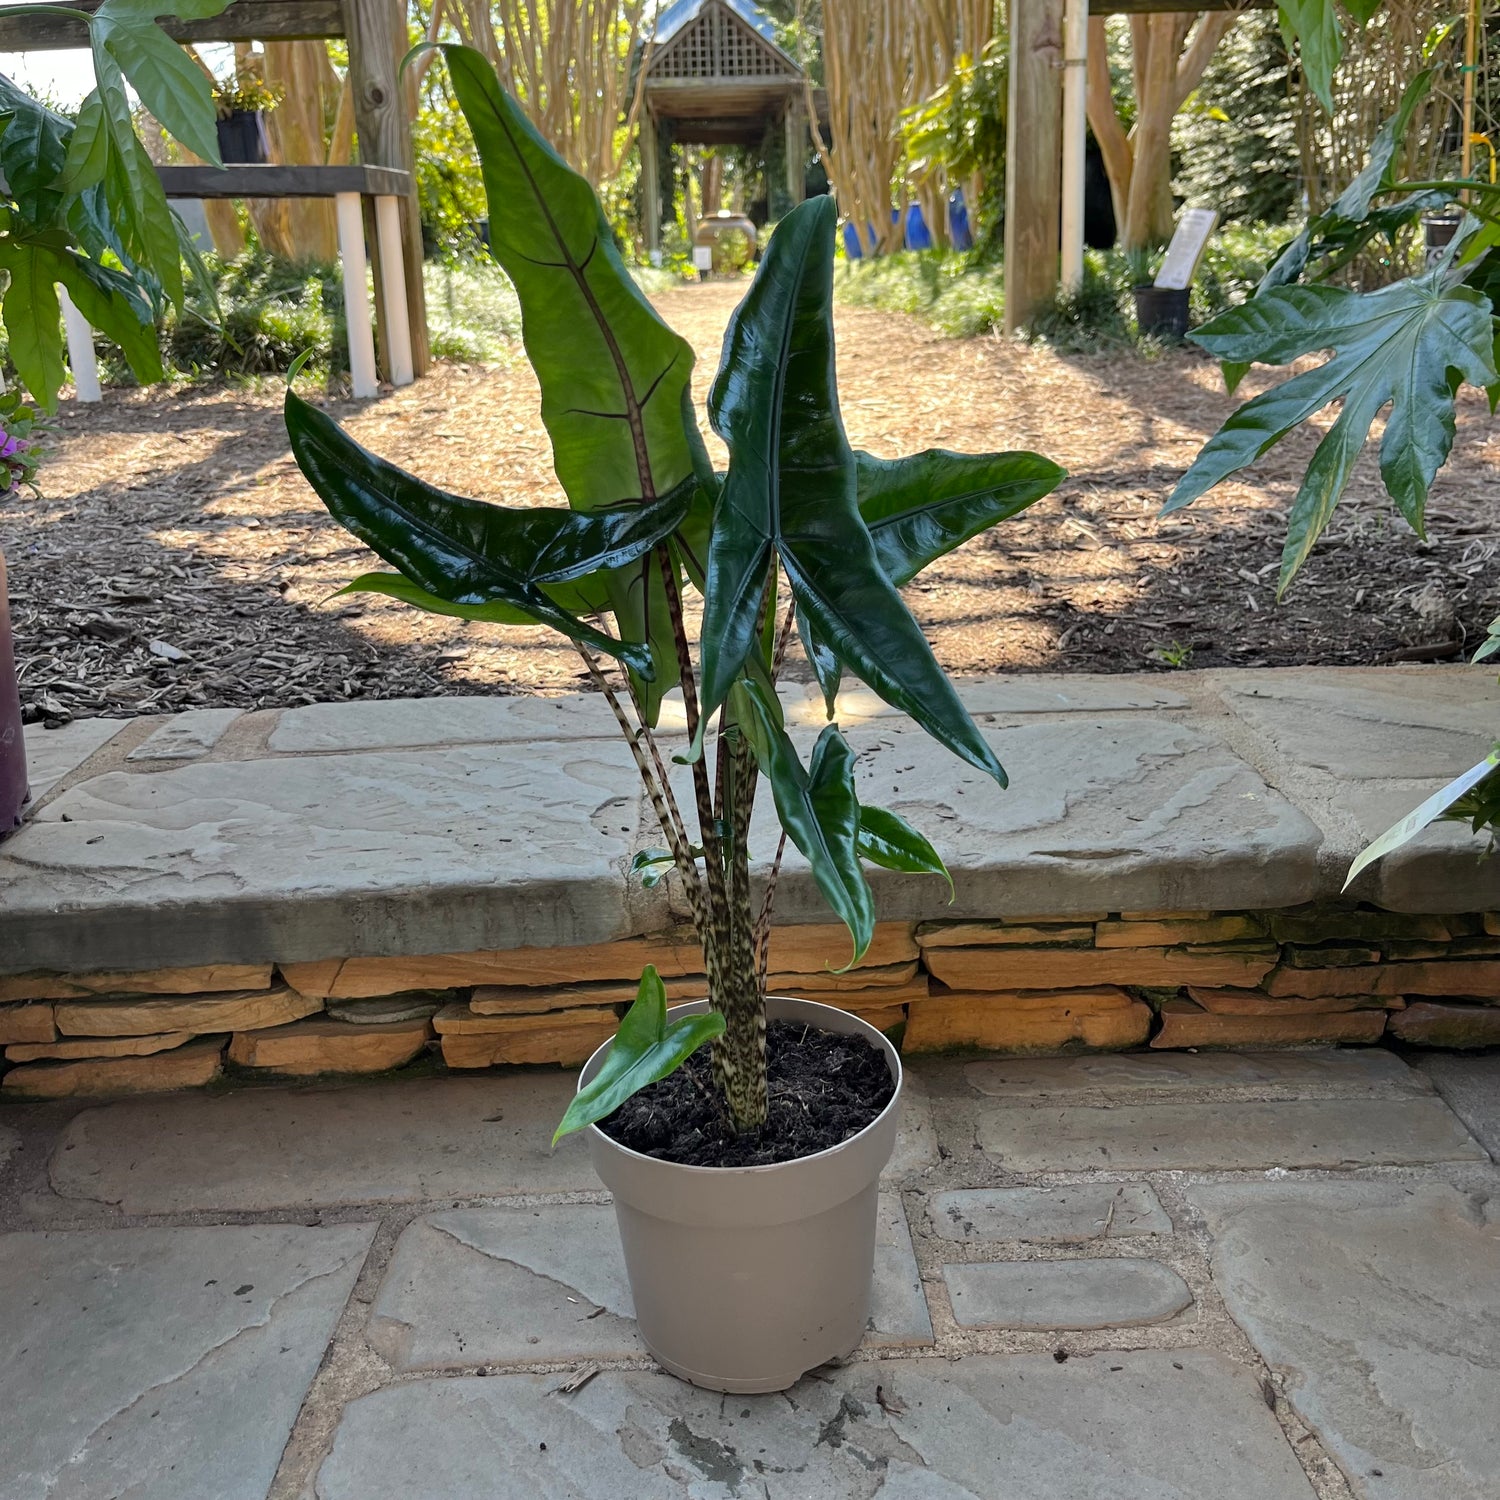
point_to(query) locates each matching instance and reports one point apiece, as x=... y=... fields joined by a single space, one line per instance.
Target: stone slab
x=52 y=754
x=403 y=1141
x=167 y=1363
x=1325 y=1070
x=1049 y=1216
x=303 y=857
x=1383 y=1322
x=1228 y=1136
x=1130 y=1426
x=1105 y=812
x=1121 y=1292
x=1471 y=1086
x=411 y=723
x=186 y=1067
x=185 y=736
x=1442 y=869
x=499 y=1285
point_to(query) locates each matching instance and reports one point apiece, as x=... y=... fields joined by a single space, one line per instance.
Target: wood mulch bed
x=178 y=559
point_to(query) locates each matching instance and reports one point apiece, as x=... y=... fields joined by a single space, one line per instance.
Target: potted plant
x=748 y=1220
x=241 y=104
x=19 y=456
x=1160 y=311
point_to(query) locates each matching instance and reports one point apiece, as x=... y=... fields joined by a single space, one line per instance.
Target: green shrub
x=956 y=292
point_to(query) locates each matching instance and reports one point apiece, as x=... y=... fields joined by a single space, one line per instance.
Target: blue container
x=958 y=221
x=918 y=236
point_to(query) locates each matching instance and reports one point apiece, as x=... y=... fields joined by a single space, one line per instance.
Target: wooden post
x=1033 y=177
x=650 y=182
x=796 y=152
x=351 y=223
x=393 y=288
x=377 y=42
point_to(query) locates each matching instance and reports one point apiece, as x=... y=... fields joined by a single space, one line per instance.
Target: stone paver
x=1362 y=1071
x=9 y=1143
x=52 y=754
x=1120 y=1292
x=497 y=1285
x=1379 y=1302
x=1471 y=1086
x=298 y=858
x=167 y=1363
x=186 y=736
x=259 y=1149
x=1209 y=1136
x=1055 y=1216
x=1130 y=1427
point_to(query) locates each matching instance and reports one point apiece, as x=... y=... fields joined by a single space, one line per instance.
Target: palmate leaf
x=1407 y=345
x=790 y=494
x=817 y=807
x=31 y=312
x=644 y=1049
x=467 y=552
x=33 y=149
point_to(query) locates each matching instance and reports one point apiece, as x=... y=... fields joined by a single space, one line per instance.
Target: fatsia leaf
x=644 y=1049
x=33 y=151
x=790 y=493
x=1395 y=346
x=466 y=551
x=31 y=312
x=88 y=148
x=888 y=840
x=817 y=807
x=612 y=374
x=920 y=508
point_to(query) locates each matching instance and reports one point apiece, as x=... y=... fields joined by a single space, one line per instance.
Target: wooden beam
x=1033 y=169
x=281 y=181
x=1160 y=7
x=377 y=43
x=244 y=21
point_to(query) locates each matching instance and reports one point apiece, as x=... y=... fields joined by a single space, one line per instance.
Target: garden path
x=180 y=561
x=1270 y=1277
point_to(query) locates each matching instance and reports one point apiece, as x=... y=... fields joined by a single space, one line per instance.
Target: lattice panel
x=719 y=45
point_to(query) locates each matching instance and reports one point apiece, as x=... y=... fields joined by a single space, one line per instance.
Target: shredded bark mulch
x=824 y=1087
x=179 y=560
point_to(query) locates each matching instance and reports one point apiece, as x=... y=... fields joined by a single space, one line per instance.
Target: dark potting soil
x=824 y=1087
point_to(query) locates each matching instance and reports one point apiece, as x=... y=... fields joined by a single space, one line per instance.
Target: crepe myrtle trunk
x=729 y=947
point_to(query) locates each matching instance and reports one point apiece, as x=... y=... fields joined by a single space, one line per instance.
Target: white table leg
x=80 y=349
x=351 y=225
x=397 y=323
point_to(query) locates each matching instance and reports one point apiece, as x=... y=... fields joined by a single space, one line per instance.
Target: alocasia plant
x=800 y=530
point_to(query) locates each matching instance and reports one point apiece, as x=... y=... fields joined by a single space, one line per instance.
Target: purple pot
x=13 y=789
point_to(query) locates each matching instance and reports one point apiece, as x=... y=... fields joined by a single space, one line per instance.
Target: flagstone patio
x=1133 y=1277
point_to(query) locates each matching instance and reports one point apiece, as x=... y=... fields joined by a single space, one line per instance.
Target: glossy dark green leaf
x=644 y=1049
x=466 y=551
x=888 y=840
x=612 y=373
x=115 y=305
x=1395 y=346
x=827 y=668
x=790 y=491
x=398 y=586
x=33 y=150
x=921 y=507
x=817 y=807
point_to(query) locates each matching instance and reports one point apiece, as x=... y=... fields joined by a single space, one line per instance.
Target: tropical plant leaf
x=31 y=312
x=33 y=150
x=88 y=148
x=168 y=82
x=817 y=807
x=790 y=492
x=645 y=1049
x=398 y=586
x=887 y=839
x=920 y=508
x=1315 y=25
x=117 y=307
x=612 y=373
x=1348 y=224
x=466 y=551
x=1406 y=345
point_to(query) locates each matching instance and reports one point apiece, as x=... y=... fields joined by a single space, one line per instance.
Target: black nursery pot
x=243 y=140
x=1161 y=311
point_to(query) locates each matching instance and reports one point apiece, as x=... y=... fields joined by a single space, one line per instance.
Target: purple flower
x=13 y=445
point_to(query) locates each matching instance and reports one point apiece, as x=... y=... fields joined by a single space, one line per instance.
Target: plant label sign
x=703 y=257
x=1189 y=240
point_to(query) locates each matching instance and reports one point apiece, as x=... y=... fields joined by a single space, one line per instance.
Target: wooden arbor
x=376 y=33
x=715 y=76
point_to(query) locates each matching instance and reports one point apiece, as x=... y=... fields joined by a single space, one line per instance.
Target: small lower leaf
x=888 y=840
x=644 y=1050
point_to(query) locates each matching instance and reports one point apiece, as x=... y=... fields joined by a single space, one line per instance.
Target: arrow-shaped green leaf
x=888 y=840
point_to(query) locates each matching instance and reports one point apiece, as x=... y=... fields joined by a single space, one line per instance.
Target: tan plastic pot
x=745 y=1278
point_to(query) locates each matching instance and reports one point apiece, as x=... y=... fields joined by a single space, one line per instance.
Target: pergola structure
x=715 y=77
x=382 y=186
